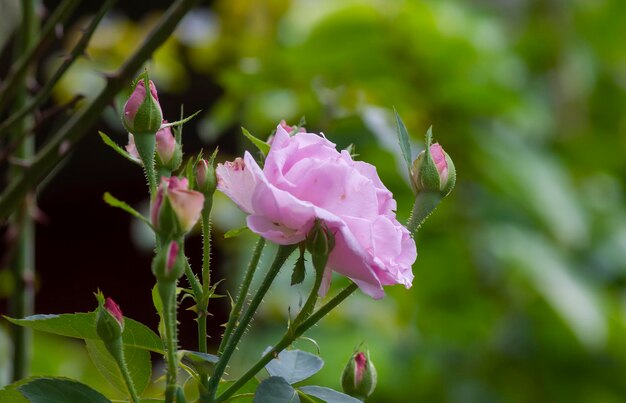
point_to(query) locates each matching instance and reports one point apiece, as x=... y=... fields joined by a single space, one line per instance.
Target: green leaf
x=276 y=390
x=114 y=202
x=107 y=140
x=294 y=365
x=60 y=390
x=299 y=271
x=11 y=394
x=403 y=138
x=328 y=395
x=82 y=326
x=200 y=362
x=137 y=360
x=260 y=144
x=235 y=232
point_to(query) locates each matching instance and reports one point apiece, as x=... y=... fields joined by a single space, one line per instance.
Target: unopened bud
x=142 y=111
x=359 y=377
x=205 y=178
x=168 y=152
x=433 y=170
x=320 y=241
x=168 y=265
x=109 y=319
x=175 y=208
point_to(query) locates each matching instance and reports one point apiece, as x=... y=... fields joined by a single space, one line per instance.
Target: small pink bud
x=165 y=145
x=290 y=129
x=114 y=310
x=359 y=377
x=436 y=174
x=172 y=253
x=142 y=112
x=205 y=178
x=176 y=209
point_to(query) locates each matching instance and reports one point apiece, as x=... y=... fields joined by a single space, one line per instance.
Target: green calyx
x=168 y=264
x=320 y=242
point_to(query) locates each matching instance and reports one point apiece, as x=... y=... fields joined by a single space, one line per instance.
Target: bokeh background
x=520 y=283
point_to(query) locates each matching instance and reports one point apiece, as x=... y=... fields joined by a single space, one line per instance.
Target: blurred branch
x=40 y=121
x=56 y=149
x=17 y=72
x=22 y=264
x=45 y=92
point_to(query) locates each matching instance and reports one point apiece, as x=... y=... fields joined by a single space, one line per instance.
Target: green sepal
x=428 y=174
x=299 y=269
x=107 y=140
x=320 y=242
x=260 y=144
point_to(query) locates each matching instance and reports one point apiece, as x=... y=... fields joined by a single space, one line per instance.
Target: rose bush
x=304 y=178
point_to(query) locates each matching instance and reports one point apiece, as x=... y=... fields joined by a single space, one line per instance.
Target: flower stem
x=287 y=339
x=425 y=204
x=241 y=297
x=202 y=300
x=146 y=143
x=281 y=256
x=116 y=348
x=22 y=265
x=167 y=292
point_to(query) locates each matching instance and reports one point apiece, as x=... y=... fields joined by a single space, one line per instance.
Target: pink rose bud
x=142 y=111
x=320 y=242
x=359 y=377
x=433 y=171
x=109 y=319
x=168 y=265
x=291 y=129
x=175 y=209
x=167 y=149
x=205 y=178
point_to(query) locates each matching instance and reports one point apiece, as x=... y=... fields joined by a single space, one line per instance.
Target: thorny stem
x=287 y=339
x=203 y=303
x=45 y=92
x=56 y=149
x=281 y=256
x=235 y=312
x=22 y=301
x=425 y=204
x=16 y=75
x=167 y=292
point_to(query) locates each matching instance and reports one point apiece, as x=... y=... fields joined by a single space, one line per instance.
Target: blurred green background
x=520 y=283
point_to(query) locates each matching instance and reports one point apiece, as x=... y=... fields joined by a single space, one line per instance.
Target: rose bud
x=168 y=151
x=109 y=319
x=142 y=112
x=206 y=181
x=320 y=242
x=433 y=170
x=359 y=377
x=175 y=209
x=168 y=265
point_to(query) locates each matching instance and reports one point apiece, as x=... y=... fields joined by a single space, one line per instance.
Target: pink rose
x=305 y=178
